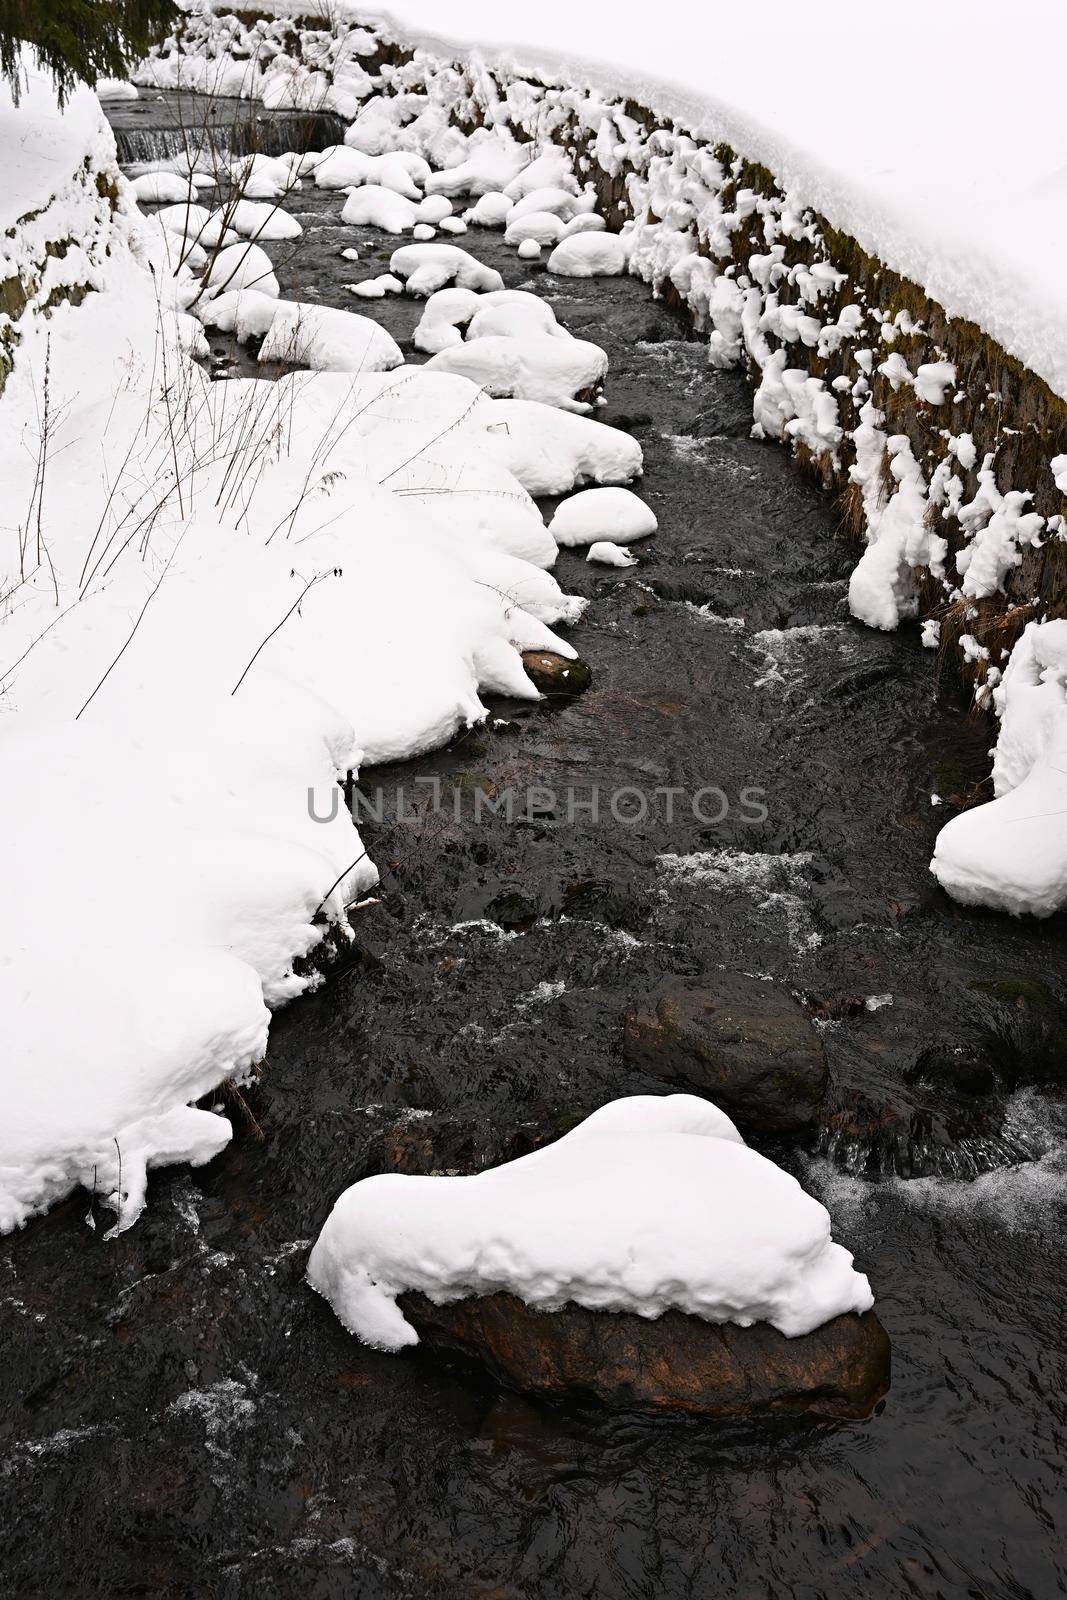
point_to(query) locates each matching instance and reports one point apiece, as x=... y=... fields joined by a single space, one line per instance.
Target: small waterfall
x=922 y=1145
x=282 y=131
x=269 y=134
x=141 y=146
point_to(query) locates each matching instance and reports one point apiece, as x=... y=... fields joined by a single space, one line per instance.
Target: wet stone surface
x=182 y=1416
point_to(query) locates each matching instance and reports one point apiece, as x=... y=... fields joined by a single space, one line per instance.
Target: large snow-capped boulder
x=594 y=514
x=258 y=219
x=374 y=206
x=552 y=451
x=427 y=268
x=240 y=266
x=652 y=1205
x=153 y=187
x=543 y=227
x=515 y=318
x=491 y=210
x=589 y=255
x=537 y=367
x=562 y=202
x=328 y=340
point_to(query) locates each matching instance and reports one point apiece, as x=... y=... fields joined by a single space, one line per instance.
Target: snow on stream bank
x=753 y=253
x=229 y=597
x=228 y=594
x=218 y=600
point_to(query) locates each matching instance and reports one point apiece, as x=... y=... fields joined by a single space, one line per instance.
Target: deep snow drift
x=651 y=1203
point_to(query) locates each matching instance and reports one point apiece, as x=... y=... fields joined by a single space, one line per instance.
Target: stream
x=183 y=1416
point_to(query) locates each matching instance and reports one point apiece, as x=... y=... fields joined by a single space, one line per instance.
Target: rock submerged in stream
x=675 y=1363
x=554 y=675
x=745 y=1044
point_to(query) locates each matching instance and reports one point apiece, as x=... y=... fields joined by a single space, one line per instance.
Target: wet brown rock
x=674 y=1364
x=554 y=675
x=747 y=1045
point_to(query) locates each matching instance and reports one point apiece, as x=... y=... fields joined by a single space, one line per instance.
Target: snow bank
x=173 y=842
x=46 y=146
x=1011 y=854
x=987 y=246
x=649 y=1204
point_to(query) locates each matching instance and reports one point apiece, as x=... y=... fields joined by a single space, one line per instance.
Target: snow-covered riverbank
x=358 y=647
x=902 y=357
x=218 y=600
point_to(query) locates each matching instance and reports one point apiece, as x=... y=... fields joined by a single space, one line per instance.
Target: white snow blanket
x=651 y=1203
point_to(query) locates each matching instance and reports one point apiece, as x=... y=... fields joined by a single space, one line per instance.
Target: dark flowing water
x=182 y=1416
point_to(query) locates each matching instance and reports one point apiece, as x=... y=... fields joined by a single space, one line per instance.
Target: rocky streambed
x=746 y=787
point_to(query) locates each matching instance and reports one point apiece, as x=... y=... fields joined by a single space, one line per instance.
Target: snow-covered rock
x=491 y=211
x=240 y=266
x=595 y=514
x=1011 y=853
x=514 y=318
x=552 y=451
x=156 y=186
x=255 y=219
x=187 y=220
x=426 y=268
x=543 y=227
x=434 y=208
x=328 y=340
x=589 y=255
x=562 y=203
x=375 y=207
x=116 y=89
x=584 y=222
x=376 y=288
x=535 y=367
x=649 y=1204
x=610 y=555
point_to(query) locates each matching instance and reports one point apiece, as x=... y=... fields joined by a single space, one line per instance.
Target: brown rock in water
x=554 y=675
x=675 y=1363
x=746 y=1045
